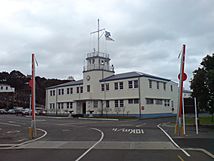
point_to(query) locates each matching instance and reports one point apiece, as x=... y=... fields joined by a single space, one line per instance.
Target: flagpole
x=33 y=122
x=98 y=37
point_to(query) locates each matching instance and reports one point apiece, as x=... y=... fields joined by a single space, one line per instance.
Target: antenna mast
x=98 y=35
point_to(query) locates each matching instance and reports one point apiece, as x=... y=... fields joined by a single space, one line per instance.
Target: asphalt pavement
x=70 y=139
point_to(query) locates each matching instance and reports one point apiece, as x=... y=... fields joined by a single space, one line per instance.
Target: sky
x=148 y=35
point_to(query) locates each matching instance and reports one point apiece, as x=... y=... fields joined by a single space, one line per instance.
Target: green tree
x=203 y=84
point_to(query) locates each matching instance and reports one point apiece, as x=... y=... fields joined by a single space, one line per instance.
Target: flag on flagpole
x=107 y=35
x=36 y=62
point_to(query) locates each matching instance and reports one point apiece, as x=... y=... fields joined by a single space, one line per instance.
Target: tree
x=203 y=84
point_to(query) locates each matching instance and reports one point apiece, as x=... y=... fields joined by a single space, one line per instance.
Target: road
x=86 y=140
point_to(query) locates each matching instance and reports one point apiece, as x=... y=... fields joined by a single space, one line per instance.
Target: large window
x=150 y=83
x=116 y=103
x=78 y=90
x=116 y=85
x=121 y=103
x=121 y=85
x=107 y=103
x=166 y=102
x=50 y=93
x=130 y=101
x=62 y=91
x=135 y=83
x=171 y=88
x=158 y=101
x=88 y=88
x=102 y=87
x=149 y=101
x=107 y=86
x=71 y=90
x=95 y=104
x=81 y=89
x=130 y=84
x=68 y=90
x=157 y=85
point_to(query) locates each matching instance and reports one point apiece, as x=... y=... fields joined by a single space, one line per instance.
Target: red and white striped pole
x=179 y=128
x=33 y=123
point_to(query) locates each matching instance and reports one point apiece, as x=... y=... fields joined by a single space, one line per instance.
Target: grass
x=204 y=120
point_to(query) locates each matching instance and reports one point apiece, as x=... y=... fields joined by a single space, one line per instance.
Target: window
x=59 y=91
x=136 y=101
x=121 y=85
x=164 y=86
x=130 y=84
x=107 y=86
x=158 y=102
x=172 y=104
x=149 y=101
x=71 y=90
x=68 y=90
x=116 y=86
x=102 y=87
x=150 y=83
x=78 y=90
x=81 y=89
x=116 y=103
x=1 y=88
x=6 y=88
x=53 y=105
x=68 y=104
x=50 y=93
x=50 y=105
x=121 y=103
x=88 y=88
x=135 y=83
x=157 y=85
x=166 y=102
x=95 y=104
x=62 y=91
x=107 y=103
x=53 y=92
x=171 y=88
x=130 y=101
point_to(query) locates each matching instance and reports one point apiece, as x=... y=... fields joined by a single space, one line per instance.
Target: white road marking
x=187 y=154
x=11 y=132
x=130 y=131
x=10 y=124
x=140 y=125
x=101 y=138
x=202 y=150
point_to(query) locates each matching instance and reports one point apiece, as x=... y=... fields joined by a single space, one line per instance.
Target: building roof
x=71 y=83
x=131 y=75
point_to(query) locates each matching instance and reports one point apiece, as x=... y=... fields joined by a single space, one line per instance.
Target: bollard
x=30 y=132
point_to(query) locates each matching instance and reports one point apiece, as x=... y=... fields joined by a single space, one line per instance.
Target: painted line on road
x=101 y=138
x=98 y=119
x=12 y=132
x=10 y=124
x=202 y=150
x=180 y=158
x=26 y=142
x=187 y=154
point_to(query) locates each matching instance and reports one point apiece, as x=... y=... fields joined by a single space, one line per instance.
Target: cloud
x=148 y=35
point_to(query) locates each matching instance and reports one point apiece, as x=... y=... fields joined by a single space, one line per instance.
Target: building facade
x=4 y=88
x=102 y=92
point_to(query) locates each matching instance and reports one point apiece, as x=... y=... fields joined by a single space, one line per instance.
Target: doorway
x=83 y=108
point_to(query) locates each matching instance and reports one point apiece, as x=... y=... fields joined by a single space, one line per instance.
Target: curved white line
x=101 y=138
x=29 y=141
x=187 y=154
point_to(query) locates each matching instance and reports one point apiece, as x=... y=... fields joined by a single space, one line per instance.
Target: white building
x=4 y=88
x=101 y=91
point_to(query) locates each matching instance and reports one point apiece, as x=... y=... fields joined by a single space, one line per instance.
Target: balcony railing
x=95 y=53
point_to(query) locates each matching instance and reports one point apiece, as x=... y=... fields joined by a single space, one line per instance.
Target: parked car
x=11 y=111
x=28 y=111
x=3 y=111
